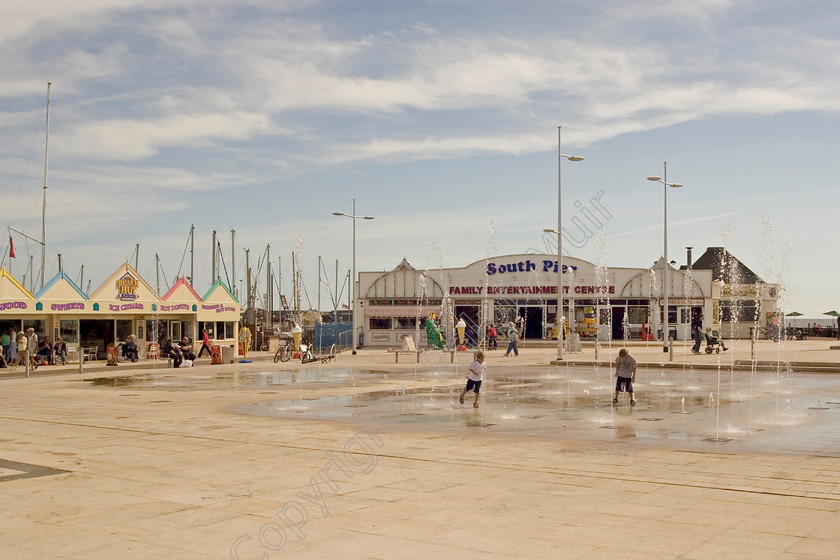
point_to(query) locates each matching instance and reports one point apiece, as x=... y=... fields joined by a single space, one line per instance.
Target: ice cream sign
x=127 y=287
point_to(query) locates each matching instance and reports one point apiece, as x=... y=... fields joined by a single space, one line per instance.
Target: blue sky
x=439 y=117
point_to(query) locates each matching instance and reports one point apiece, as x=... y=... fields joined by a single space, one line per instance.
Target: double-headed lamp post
x=559 y=324
x=353 y=282
x=665 y=280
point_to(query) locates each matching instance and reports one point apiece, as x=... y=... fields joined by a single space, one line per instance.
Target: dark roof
x=726 y=267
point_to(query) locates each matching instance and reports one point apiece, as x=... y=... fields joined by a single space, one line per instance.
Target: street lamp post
x=666 y=281
x=559 y=323
x=353 y=282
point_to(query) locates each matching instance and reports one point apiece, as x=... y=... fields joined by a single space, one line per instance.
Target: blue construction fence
x=327 y=334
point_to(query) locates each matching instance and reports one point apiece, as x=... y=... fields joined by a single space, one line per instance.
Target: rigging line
x=55 y=194
x=329 y=286
x=254 y=291
x=165 y=281
x=183 y=256
x=303 y=285
x=224 y=265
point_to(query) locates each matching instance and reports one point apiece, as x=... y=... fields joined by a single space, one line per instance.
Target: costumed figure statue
x=245 y=341
x=433 y=333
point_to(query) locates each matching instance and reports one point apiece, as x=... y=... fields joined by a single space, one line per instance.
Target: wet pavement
x=781 y=412
x=365 y=458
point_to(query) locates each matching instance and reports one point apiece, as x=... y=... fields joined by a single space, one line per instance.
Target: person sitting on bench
x=185 y=352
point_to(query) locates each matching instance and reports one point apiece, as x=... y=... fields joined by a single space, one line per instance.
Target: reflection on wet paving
x=731 y=411
x=237 y=380
x=716 y=411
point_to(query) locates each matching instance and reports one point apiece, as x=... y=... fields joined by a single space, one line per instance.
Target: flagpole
x=44 y=209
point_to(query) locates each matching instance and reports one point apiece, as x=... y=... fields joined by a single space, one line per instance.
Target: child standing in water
x=477 y=369
x=625 y=373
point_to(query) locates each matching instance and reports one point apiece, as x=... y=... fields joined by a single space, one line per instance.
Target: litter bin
x=227 y=354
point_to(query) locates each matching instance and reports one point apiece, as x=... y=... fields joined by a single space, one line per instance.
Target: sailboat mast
x=233 y=263
x=192 y=256
x=44 y=207
x=213 y=267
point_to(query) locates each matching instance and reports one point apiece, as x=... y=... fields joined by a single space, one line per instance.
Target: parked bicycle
x=285 y=350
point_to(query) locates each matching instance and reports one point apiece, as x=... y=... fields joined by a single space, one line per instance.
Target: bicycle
x=284 y=351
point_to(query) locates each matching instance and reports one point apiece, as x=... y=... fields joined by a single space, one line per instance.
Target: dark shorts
x=474 y=385
x=624 y=384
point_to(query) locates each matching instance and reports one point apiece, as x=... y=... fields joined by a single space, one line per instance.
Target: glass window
x=504 y=314
x=636 y=315
x=68 y=330
x=748 y=312
x=188 y=330
x=672 y=315
x=604 y=316
x=405 y=323
x=124 y=328
x=36 y=324
x=380 y=323
x=229 y=329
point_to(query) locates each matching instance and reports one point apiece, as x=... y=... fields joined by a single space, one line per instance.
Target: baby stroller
x=714 y=343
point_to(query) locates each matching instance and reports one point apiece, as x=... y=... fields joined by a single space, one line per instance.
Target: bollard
x=81 y=363
x=670 y=350
x=26 y=359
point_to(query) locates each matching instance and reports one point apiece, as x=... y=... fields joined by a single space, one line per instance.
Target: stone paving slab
x=174 y=473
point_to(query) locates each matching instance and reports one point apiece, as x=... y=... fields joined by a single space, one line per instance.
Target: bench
x=397 y=353
x=409 y=352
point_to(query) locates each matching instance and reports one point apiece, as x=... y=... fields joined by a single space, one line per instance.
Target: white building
x=612 y=303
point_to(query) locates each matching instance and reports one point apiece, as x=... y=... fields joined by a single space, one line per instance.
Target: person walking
x=205 y=344
x=22 y=354
x=513 y=339
x=31 y=346
x=12 y=356
x=697 y=332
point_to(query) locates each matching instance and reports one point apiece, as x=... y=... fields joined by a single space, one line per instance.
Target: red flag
x=11 y=248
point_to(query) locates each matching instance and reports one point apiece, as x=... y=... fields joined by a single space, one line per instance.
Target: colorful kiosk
x=122 y=305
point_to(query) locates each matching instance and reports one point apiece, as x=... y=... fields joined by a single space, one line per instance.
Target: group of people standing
x=18 y=345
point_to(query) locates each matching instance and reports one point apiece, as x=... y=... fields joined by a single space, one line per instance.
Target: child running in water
x=477 y=369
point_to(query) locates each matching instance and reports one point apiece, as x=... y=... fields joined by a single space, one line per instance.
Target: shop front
x=123 y=305
x=610 y=304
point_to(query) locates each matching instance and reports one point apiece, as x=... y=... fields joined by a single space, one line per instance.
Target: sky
x=439 y=117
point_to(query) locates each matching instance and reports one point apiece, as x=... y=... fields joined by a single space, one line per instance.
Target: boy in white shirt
x=477 y=369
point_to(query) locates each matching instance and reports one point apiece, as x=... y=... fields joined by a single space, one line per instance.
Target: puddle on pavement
x=238 y=380
x=716 y=411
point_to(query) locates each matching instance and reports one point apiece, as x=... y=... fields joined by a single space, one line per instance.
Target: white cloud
x=139 y=139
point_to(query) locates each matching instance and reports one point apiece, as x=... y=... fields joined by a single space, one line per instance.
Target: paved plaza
x=362 y=458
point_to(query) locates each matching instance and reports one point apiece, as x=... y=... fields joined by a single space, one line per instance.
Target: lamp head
x=367 y=217
x=575 y=158
x=675 y=185
x=549 y=230
x=338 y=213
x=654 y=178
